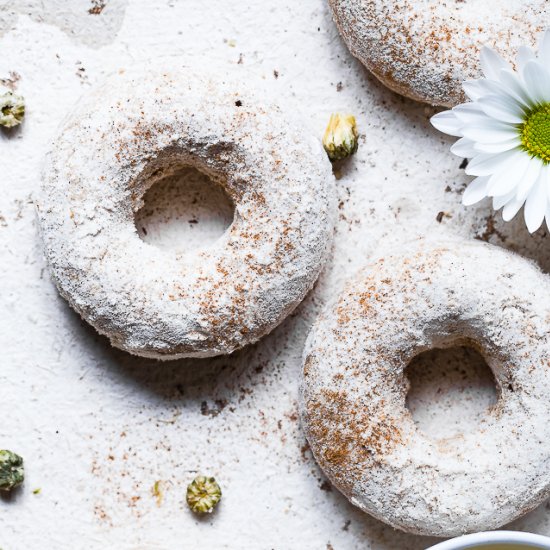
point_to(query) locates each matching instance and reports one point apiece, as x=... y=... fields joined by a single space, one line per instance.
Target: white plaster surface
x=96 y=426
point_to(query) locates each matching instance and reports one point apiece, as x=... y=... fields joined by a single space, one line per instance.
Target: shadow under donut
x=513 y=235
x=219 y=378
x=362 y=525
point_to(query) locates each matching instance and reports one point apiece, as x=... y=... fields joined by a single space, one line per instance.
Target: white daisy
x=505 y=131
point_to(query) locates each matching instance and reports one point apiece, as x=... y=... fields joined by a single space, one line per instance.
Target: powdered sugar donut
x=425 y=49
x=141 y=126
x=354 y=388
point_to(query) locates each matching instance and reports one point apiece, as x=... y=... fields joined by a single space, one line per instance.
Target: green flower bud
x=12 y=472
x=340 y=139
x=203 y=494
x=12 y=109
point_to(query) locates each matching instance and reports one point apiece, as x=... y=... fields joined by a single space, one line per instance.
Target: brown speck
x=490 y=231
x=276 y=74
x=238 y=103
x=339 y=87
x=326 y=486
x=97 y=7
x=218 y=406
x=303 y=450
x=11 y=81
x=100 y=513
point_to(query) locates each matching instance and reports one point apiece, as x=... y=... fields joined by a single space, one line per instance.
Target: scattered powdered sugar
x=354 y=388
x=141 y=126
x=425 y=49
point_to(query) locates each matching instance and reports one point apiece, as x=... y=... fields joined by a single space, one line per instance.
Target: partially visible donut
x=425 y=49
x=354 y=388
x=140 y=126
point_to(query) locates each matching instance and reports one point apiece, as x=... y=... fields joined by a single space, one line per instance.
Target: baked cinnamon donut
x=354 y=388
x=141 y=126
x=425 y=49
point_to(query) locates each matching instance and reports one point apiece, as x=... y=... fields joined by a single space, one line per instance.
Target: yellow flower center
x=535 y=132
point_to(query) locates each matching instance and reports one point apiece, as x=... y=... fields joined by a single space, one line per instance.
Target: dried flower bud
x=12 y=472
x=12 y=109
x=340 y=139
x=203 y=494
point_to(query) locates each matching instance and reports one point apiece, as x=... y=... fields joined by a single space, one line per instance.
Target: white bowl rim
x=493 y=537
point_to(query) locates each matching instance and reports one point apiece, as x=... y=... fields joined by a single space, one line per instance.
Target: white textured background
x=98 y=427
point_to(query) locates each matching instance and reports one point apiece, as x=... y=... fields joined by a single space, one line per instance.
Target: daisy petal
x=547 y=182
x=483 y=87
x=511 y=208
x=471 y=113
x=515 y=88
x=529 y=179
x=536 y=204
x=486 y=164
x=492 y=63
x=537 y=79
x=500 y=186
x=506 y=180
x=476 y=191
x=502 y=109
x=490 y=133
x=464 y=148
x=497 y=147
x=447 y=122
x=473 y=89
x=524 y=54
x=499 y=202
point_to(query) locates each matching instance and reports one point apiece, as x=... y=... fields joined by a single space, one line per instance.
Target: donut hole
x=184 y=211
x=451 y=391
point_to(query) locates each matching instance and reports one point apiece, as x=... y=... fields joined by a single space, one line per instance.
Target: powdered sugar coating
x=140 y=126
x=425 y=49
x=354 y=388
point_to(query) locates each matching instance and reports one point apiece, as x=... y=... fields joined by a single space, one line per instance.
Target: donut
x=353 y=391
x=425 y=49
x=142 y=125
